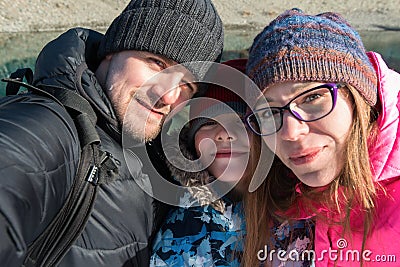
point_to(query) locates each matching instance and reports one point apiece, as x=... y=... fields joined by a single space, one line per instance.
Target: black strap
x=95 y=167
x=79 y=108
x=19 y=75
x=55 y=241
x=17 y=83
x=73 y=101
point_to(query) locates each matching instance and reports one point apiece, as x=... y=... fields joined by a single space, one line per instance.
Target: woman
x=332 y=121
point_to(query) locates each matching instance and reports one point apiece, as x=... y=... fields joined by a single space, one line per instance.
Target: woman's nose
x=292 y=128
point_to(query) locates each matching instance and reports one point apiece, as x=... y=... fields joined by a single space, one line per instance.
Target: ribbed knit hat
x=219 y=101
x=181 y=30
x=300 y=47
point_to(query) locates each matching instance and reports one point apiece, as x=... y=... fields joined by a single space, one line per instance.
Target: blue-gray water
x=21 y=49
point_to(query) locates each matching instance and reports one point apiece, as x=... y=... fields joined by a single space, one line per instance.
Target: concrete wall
x=50 y=15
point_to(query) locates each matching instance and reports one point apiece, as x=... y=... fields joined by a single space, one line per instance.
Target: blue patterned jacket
x=200 y=236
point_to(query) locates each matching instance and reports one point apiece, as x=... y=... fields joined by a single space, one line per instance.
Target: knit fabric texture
x=217 y=100
x=181 y=30
x=300 y=47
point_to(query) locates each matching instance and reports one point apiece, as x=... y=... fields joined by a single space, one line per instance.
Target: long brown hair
x=278 y=191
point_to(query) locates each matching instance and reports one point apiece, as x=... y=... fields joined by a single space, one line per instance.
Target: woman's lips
x=305 y=156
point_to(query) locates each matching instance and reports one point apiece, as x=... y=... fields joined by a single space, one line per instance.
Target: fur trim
x=195 y=181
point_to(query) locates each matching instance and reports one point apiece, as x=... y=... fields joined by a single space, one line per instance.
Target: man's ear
x=108 y=57
x=102 y=69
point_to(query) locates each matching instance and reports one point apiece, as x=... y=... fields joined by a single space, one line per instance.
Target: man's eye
x=159 y=63
x=189 y=86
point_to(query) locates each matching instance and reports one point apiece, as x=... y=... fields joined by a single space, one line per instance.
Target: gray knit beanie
x=181 y=30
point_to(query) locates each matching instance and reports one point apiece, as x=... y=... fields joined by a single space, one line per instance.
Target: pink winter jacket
x=382 y=248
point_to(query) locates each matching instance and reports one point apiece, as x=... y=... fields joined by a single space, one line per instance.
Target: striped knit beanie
x=219 y=101
x=300 y=47
x=181 y=30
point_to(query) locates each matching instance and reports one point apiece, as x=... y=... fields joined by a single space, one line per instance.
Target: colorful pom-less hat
x=300 y=47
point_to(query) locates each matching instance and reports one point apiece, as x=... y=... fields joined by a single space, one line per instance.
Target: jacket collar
x=385 y=151
x=69 y=62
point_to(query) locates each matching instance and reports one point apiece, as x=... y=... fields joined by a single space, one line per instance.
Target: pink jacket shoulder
x=382 y=248
x=385 y=153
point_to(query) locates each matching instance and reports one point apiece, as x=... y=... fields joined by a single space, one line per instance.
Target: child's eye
x=210 y=122
x=208 y=125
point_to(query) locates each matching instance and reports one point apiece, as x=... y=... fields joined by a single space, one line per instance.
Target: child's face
x=227 y=147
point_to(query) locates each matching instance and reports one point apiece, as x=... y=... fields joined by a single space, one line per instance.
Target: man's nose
x=167 y=88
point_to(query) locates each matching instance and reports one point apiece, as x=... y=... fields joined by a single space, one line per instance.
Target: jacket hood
x=69 y=62
x=385 y=151
x=188 y=160
x=184 y=157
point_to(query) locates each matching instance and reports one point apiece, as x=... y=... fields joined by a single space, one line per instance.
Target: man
x=121 y=75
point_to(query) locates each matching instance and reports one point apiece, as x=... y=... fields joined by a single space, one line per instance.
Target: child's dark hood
x=180 y=167
x=188 y=161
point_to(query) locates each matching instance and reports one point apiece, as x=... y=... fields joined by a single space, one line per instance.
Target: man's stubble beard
x=138 y=130
x=133 y=125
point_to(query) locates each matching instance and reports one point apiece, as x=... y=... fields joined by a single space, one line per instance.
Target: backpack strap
x=95 y=167
x=55 y=241
x=78 y=107
x=19 y=75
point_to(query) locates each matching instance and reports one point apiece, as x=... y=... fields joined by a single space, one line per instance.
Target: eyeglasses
x=311 y=105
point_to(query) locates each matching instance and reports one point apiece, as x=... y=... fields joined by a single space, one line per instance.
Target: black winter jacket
x=39 y=154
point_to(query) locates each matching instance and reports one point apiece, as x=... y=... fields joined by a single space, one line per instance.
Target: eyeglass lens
x=308 y=106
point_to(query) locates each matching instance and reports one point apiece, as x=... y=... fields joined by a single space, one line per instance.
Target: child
x=209 y=234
